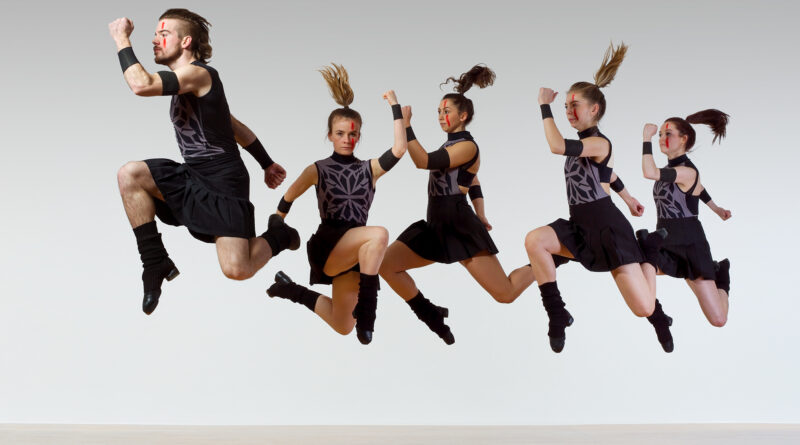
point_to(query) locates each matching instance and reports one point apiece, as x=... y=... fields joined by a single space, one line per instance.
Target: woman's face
x=344 y=134
x=450 y=119
x=670 y=140
x=580 y=113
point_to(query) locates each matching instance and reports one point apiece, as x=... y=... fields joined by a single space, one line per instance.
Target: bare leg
x=488 y=272
x=338 y=311
x=713 y=301
x=398 y=259
x=240 y=258
x=138 y=189
x=364 y=246
x=635 y=289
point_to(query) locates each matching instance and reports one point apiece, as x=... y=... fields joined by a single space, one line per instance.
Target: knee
x=345 y=328
x=644 y=309
x=380 y=237
x=532 y=240
x=236 y=271
x=718 y=320
x=504 y=297
x=126 y=176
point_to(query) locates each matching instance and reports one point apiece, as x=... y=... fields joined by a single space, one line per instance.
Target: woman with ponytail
x=452 y=231
x=597 y=234
x=685 y=252
x=344 y=251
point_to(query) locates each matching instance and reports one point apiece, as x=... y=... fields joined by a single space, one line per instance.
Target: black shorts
x=452 y=232
x=599 y=236
x=211 y=198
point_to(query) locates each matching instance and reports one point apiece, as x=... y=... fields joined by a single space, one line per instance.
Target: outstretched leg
x=488 y=272
x=398 y=260
x=713 y=301
x=641 y=299
x=241 y=258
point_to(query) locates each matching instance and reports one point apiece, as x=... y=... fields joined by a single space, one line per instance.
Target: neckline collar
x=344 y=159
x=459 y=135
x=591 y=131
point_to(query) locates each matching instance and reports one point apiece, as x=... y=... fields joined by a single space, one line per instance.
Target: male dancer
x=209 y=194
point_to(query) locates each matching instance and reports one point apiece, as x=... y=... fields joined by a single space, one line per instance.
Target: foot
x=557 y=341
x=664 y=335
x=284 y=231
x=364 y=313
x=282 y=282
x=152 y=277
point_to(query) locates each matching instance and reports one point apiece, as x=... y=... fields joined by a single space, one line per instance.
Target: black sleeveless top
x=445 y=182
x=584 y=176
x=203 y=124
x=671 y=201
x=344 y=188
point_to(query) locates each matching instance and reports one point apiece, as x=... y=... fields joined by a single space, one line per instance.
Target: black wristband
x=397 y=112
x=668 y=175
x=410 y=136
x=617 y=185
x=259 y=153
x=572 y=147
x=475 y=192
x=284 y=206
x=647 y=148
x=387 y=160
x=546 y=111
x=126 y=58
x=438 y=160
x=169 y=83
x=704 y=196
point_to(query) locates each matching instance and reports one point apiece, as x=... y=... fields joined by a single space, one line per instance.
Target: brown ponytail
x=602 y=78
x=717 y=120
x=339 y=83
x=480 y=75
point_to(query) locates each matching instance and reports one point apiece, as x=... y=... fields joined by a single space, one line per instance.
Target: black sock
x=430 y=314
x=555 y=308
x=723 y=278
x=295 y=293
x=364 y=311
x=148 y=240
x=660 y=322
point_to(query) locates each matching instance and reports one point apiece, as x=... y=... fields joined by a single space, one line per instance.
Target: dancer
x=597 y=234
x=209 y=193
x=344 y=251
x=452 y=232
x=677 y=190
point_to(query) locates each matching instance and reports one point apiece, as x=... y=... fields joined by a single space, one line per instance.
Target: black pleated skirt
x=320 y=245
x=451 y=233
x=599 y=236
x=210 y=197
x=685 y=253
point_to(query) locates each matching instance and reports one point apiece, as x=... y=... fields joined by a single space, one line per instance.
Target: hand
x=724 y=214
x=546 y=96
x=649 y=131
x=406 y=115
x=120 y=28
x=636 y=208
x=391 y=97
x=485 y=222
x=274 y=175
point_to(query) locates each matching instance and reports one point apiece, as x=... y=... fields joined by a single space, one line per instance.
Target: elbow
x=653 y=175
x=557 y=149
x=139 y=90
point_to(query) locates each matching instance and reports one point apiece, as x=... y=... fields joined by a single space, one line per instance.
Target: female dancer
x=452 y=232
x=597 y=234
x=685 y=253
x=344 y=251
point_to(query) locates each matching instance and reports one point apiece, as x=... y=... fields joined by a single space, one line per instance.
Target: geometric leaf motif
x=188 y=129
x=344 y=191
x=582 y=178
x=670 y=201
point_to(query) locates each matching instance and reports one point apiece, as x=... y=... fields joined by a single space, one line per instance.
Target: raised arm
x=306 y=179
x=274 y=174
x=392 y=156
x=590 y=147
x=679 y=175
x=185 y=79
x=449 y=157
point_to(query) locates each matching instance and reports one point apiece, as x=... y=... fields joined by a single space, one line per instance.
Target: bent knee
x=236 y=272
x=643 y=309
x=718 y=321
x=504 y=297
x=534 y=239
x=380 y=236
x=129 y=174
x=344 y=328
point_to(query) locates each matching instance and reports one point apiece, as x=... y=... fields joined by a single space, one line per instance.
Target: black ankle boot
x=661 y=322
x=559 y=317
x=433 y=316
x=284 y=287
x=650 y=244
x=723 y=278
x=364 y=312
x=152 y=277
x=280 y=236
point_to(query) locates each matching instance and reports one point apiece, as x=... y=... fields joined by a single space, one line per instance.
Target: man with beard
x=209 y=193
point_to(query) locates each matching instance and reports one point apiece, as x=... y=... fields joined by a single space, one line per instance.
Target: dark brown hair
x=480 y=75
x=194 y=26
x=717 y=120
x=602 y=78
x=339 y=83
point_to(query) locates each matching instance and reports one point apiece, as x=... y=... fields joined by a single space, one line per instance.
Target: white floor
x=705 y=434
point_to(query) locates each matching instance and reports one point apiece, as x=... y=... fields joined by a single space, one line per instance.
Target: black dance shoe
x=152 y=279
x=557 y=343
x=286 y=233
x=664 y=335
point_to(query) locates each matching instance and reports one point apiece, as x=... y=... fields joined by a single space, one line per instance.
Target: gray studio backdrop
x=76 y=348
